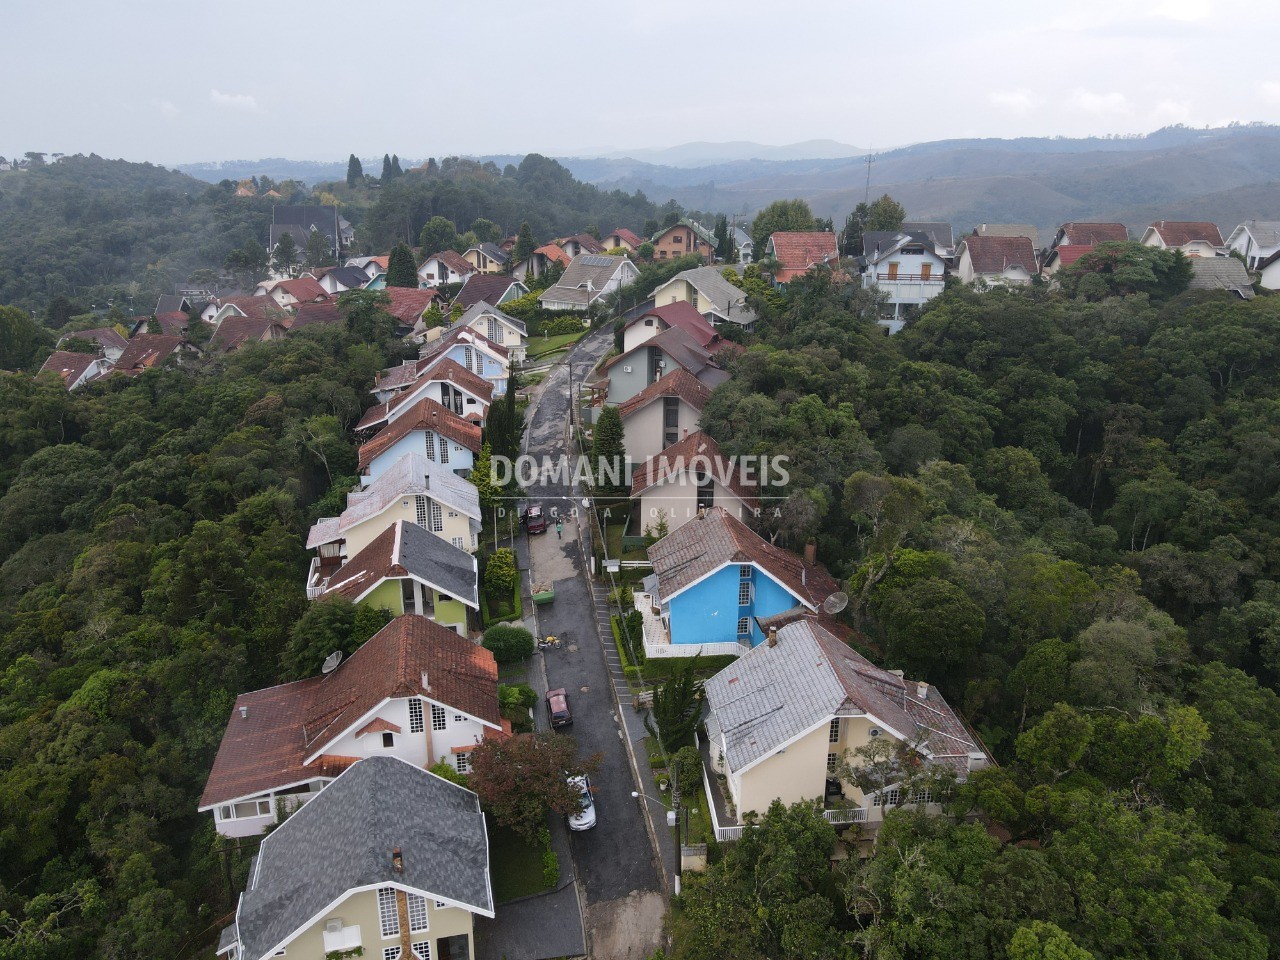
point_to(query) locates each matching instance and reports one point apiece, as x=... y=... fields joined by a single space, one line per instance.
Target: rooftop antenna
x=869 y=159
x=835 y=603
x=331 y=662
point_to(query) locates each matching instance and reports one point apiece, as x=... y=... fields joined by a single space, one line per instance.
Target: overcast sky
x=167 y=82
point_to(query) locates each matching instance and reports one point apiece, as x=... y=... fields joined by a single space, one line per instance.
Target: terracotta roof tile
x=684 y=315
x=627 y=237
x=408 y=303
x=69 y=365
x=443 y=369
x=310 y=314
x=682 y=455
x=554 y=253
x=1068 y=254
x=235 y=332
x=103 y=336
x=1175 y=233
x=146 y=350
x=797 y=251
x=425 y=414
x=1087 y=234
x=995 y=254
x=453 y=260
x=303 y=289
x=679 y=383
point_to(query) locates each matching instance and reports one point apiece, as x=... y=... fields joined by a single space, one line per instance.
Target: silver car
x=585 y=818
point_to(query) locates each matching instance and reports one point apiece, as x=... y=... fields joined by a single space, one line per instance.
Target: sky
x=172 y=82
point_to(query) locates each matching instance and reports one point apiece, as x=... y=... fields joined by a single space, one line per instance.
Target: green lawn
x=516 y=865
x=540 y=347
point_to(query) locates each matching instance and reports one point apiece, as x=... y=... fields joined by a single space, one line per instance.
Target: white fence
x=659 y=650
x=723 y=833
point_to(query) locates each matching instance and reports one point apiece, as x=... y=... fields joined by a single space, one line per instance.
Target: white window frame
x=744 y=626
x=833 y=731
x=462 y=762
x=744 y=593
x=388 y=740
x=418 y=921
x=388 y=922
x=437 y=516
x=390 y=953
x=421 y=511
x=831 y=762
x=439 y=718
x=430 y=440
x=458 y=542
x=417 y=721
x=421 y=949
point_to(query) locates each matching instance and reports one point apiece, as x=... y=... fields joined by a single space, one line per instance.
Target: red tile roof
x=147 y=350
x=303 y=289
x=994 y=254
x=554 y=253
x=1087 y=234
x=433 y=348
x=104 y=336
x=797 y=251
x=310 y=314
x=1069 y=254
x=444 y=369
x=287 y=724
x=408 y=304
x=627 y=237
x=700 y=450
x=69 y=365
x=453 y=260
x=679 y=383
x=235 y=332
x=587 y=243
x=684 y=315
x=1175 y=233
x=259 y=307
x=425 y=414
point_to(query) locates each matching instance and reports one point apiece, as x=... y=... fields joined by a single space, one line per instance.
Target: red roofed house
x=536 y=264
x=682 y=239
x=996 y=260
x=689 y=477
x=234 y=332
x=415 y=690
x=288 y=292
x=447 y=383
x=682 y=314
x=582 y=243
x=76 y=369
x=797 y=252
x=622 y=237
x=447 y=266
x=427 y=428
x=108 y=340
x=661 y=414
x=1074 y=240
x=149 y=350
x=408 y=305
x=1195 y=239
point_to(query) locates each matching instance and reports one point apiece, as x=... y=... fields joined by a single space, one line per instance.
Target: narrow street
x=615 y=861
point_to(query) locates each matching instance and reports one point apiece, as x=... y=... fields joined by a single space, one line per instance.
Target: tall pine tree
x=607 y=452
x=395 y=166
x=401 y=269
x=525 y=244
x=387 y=173
x=355 y=171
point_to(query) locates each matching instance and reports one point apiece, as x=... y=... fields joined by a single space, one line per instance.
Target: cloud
x=166 y=107
x=1019 y=101
x=237 y=101
x=1271 y=91
x=1172 y=111
x=1087 y=101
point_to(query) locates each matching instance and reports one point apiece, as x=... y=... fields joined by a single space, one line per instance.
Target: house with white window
x=622 y=377
x=487 y=257
x=680 y=314
x=706 y=288
x=538 y=262
x=447 y=266
x=940 y=234
x=905 y=268
x=76 y=369
x=1255 y=240
x=389 y=863
x=409 y=569
x=784 y=715
x=415 y=691
x=744 y=244
x=457 y=389
x=662 y=414
x=1074 y=240
x=415 y=489
x=498 y=328
x=996 y=260
x=713 y=578
x=469 y=348
x=425 y=429
x=689 y=477
x=1193 y=238
x=588 y=277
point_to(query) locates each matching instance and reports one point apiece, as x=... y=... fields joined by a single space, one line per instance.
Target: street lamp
x=672 y=821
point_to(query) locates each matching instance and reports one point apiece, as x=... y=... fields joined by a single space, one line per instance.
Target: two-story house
x=713 y=578
x=662 y=414
x=414 y=690
x=498 y=328
x=487 y=258
x=940 y=234
x=391 y=862
x=110 y=343
x=1193 y=238
x=905 y=267
x=679 y=313
x=471 y=350
x=493 y=288
x=706 y=288
x=623 y=376
x=464 y=393
x=588 y=277
x=1074 y=240
x=994 y=260
x=447 y=266
x=288 y=292
x=783 y=716
x=682 y=239
x=409 y=569
x=336 y=280
x=538 y=262
x=579 y=244
x=623 y=239
x=796 y=252
x=689 y=477
x=425 y=428
x=1255 y=240
x=743 y=243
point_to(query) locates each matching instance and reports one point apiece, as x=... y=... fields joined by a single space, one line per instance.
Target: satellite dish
x=331 y=662
x=836 y=602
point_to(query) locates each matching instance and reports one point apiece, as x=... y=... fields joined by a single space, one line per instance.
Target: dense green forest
x=1063 y=512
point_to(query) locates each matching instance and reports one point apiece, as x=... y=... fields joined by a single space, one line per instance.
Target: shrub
x=445 y=771
x=515 y=694
x=550 y=865
x=624 y=598
x=657 y=761
x=687 y=767
x=633 y=631
x=508 y=644
x=563 y=325
x=501 y=573
x=632 y=673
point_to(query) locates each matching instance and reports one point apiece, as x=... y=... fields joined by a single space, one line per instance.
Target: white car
x=585 y=818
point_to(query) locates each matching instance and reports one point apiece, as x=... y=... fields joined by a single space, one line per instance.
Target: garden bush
x=508 y=644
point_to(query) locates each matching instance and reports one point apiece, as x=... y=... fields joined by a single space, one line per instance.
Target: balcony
x=913 y=288
x=657 y=641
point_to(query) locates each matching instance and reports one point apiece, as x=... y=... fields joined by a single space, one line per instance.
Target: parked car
x=585 y=818
x=535 y=521
x=558 y=708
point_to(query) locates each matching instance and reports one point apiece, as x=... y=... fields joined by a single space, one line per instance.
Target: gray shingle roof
x=597 y=269
x=1265 y=233
x=878 y=244
x=938 y=232
x=403 y=550
x=1220 y=273
x=483 y=309
x=728 y=302
x=773 y=694
x=343 y=839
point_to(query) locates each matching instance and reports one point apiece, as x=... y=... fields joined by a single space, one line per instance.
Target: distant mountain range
x=1222 y=174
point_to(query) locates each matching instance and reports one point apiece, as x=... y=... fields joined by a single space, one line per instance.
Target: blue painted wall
x=709 y=611
x=416 y=442
x=489 y=369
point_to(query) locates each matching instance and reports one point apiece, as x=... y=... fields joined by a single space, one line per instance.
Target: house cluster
x=909 y=265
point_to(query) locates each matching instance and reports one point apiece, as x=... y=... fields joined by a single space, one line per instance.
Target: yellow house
x=390 y=861
x=487 y=258
x=783 y=716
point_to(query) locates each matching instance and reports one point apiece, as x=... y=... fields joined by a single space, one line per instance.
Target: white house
x=449 y=384
x=497 y=327
x=415 y=690
x=425 y=428
x=588 y=278
x=905 y=267
x=76 y=369
x=1255 y=240
x=1009 y=261
x=1194 y=238
x=1269 y=272
x=446 y=266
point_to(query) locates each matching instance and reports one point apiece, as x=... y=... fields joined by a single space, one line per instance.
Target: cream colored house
x=390 y=861
x=487 y=258
x=718 y=300
x=784 y=714
x=997 y=261
x=1194 y=238
x=690 y=477
x=662 y=414
x=414 y=691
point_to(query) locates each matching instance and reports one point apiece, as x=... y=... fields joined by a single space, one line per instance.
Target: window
x=493 y=329
x=648 y=321
x=669 y=438
x=441 y=905
x=438 y=718
x=473 y=539
x=453 y=513
x=744 y=626
x=415 y=716
x=422 y=510
x=833 y=735
x=706 y=492
x=925 y=270
x=437 y=516
x=677 y=238
x=744 y=593
x=831 y=763
x=459 y=718
x=693 y=300
x=670 y=412
x=444 y=449
x=922 y=796
x=887 y=798
x=224 y=813
x=417 y=913
x=430 y=439
x=744 y=571
x=457 y=542
x=388 y=917
x=390 y=953
x=463 y=762
x=421 y=949
x=893 y=271
x=388 y=739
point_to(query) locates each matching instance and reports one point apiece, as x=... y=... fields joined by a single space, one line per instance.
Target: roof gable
x=1177 y=233
x=994 y=254
x=423 y=414
x=403 y=550
x=697 y=450
x=684 y=315
x=678 y=383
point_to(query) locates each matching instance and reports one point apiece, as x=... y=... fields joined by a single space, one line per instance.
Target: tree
x=60 y=311
x=1045 y=941
x=22 y=340
x=508 y=644
x=395 y=166
x=724 y=242
x=366 y=316
x=931 y=628
x=438 y=234
x=482 y=477
x=608 y=451
x=525 y=244
x=886 y=214
x=388 y=172
x=248 y=263
x=355 y=171
x=520 y=779
x=501 y=574
x=329 y=625
x=780 y=215
x=1122 y=268
x=318 y=251
x=285 y=255
x=645 y=251
x=676 y=708
x=486 y=231
x=402 y=271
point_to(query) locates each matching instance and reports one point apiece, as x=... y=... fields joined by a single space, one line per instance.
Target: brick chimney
x=811 y=552
x=773 y=636
x=397 y=860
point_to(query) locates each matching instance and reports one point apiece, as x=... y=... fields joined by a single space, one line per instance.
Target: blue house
x=473 y=351
x=713 y=578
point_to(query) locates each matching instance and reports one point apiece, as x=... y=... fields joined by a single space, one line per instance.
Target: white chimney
x=425 y=685
x=922 y=690
x=897 y=673
x=244 y=713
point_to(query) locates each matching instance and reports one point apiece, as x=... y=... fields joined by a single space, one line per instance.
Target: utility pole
x=869 y=159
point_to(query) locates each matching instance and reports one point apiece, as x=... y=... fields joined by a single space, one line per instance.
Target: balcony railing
x=912 y=277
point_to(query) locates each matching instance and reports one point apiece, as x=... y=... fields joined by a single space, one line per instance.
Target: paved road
x=614 y=861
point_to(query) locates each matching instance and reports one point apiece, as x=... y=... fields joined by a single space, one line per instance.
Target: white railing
x=845 y=815
x=664 y=649
x=725 y=833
